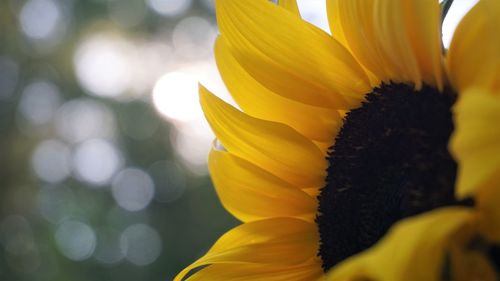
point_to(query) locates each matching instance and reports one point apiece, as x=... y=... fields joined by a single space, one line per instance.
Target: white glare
x=39 y=102
x=141 y=244
x=39 y=18
x=192 y=143
x=175 y=95
x=51 y=161
x=453 y=18
x=132 y=189
x=103 y=65
x=96 y=161
x=314 y=11
x=75 y=240
x=169 y=8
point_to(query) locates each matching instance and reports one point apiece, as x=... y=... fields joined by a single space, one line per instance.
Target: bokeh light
x=96 y=161
x=39 y=102
x=133 y=189
x=51 y=161
x=82 y=119
x=75 y=240
x=169 y=8
x=102 y=65
x=40 y=18
x=175 y=95
x=141 y=244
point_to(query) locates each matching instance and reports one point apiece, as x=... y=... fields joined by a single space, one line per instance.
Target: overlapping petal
x=473 y=59
x=316 y=123
x=394 y=40
x=475 y=143
x=290 y=56
x=282 y=150
x=414 y=249
x=281 y=242
x=468 y=264
x=487 y=199
x=351 y=23
x=250 y=192
x=476 y=146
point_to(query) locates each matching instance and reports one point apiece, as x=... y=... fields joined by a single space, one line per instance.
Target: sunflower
x=368 y=154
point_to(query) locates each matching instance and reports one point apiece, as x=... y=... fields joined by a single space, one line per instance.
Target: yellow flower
x=338 y=164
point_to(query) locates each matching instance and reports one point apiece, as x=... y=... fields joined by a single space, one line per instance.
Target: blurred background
x=103 y=145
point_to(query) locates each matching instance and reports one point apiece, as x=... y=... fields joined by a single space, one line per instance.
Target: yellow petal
x=355 y=18
x=423 y=25
x=475 y=142
x=251 y=193
x=290 y=5
x=290 y=56
x=313 y=192
x=333 y=11
x=476 y=146
x=340 y=24
x=414 y=249
x=280 y=242
x=273 y=146
x=307 y=272
x=474 y=56
x=316 y=123
x=487 y=199
x=470 y=264
x=408 y=34
x=325 y=146
x=394 y=40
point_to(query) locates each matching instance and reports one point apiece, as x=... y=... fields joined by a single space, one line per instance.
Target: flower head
x=367 y=154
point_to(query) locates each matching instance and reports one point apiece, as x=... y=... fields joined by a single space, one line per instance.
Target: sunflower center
x=390 y=161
